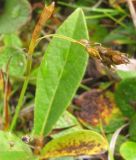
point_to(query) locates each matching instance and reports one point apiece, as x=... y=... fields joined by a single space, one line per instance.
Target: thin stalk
x=132 y=11
x=97 y=4
x=93 y=9
x=114 y=19
x=61 y=37
x=21 y=98
x=84 y=87
x=97 y=16
x=45 y=15
x=113 y=142
x=122 y=18
x=6 y=107
x=6 y=97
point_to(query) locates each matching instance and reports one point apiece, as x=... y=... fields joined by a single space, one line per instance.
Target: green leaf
x=14 y=14
x=12 y=148
x=109 y=113
x=83 y=142
x=128 y=150
x=60 y=74
x=132 y=128
x=67 y=123
x=125 y=96
x=66 y=131
x=97 y=30
x=12 y=40
x=118 y=35
x=126 y=74
x=66 y=120
x=15 y=59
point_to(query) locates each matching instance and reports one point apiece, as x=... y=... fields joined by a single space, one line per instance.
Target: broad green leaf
x=12 y=147
x=13 y=15
x=67 y=131
x=126 y=74
x=66 y=120
x=67 y=123
x=128 y=150
x=83 y=142
x=12 y=40
x=60 y=74
x=125 y=96
x=15 y=59
x=132 y=128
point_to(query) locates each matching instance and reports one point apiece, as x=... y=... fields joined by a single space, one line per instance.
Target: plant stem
x=45 y=15
x=132 y=11
x=6 y=99
x=61 y=37
x=20 y=101
x=115 y=20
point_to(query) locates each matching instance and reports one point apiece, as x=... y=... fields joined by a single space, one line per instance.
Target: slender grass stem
x=97 y=16
x=20 y=101
x=115 y=20
x=45 y=15
x=61 y=37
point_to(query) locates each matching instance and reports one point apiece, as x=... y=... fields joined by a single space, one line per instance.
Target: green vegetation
x=67 y=80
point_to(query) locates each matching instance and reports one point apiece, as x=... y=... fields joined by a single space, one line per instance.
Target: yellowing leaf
x=95 y=105
x=83 y=142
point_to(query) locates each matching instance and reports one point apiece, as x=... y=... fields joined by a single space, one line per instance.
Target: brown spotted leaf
x=83 y=142
x=96 y=107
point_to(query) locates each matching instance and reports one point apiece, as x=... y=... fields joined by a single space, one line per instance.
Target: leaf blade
x=125 y=96
x=56 y=71
x=15 y=14
x=83 y=142
x=128 y=150
x=15 y=59
x=12 y=148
